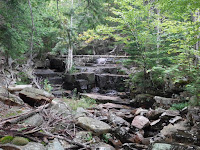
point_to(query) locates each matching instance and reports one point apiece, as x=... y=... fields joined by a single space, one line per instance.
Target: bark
x=70 y=50
x=32 y=30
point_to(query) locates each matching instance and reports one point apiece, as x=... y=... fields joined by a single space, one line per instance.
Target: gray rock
x=10 y=99
x=102 y=146
x=165 y=102
x=61 y=108
x=55 y=145
x=29 y=146
x=96 y=126
x=117 y=121
x=35 y=120
x=35 y=97
x=161 y=146
x=122 y=133
x=140 y=122
x=172 y=146
x=83 y=137
x=104 y=99
x=80 y=112
x=33 y=146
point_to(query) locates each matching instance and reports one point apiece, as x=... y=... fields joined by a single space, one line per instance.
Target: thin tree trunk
x=32 y=30
x=158 y=35
x=70 y=50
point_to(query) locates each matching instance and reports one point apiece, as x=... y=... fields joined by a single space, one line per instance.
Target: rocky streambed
x=53 y=125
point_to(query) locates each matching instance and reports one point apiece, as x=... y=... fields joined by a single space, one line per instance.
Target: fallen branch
x=23 y=116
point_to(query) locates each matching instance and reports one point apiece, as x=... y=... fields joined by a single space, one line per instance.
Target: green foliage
x=22 y=78
x=83 y=102
x=88 y=137
x=178 y=106
x=73 y=70
x=106 y=137
x=47 y=86
x=6 y=139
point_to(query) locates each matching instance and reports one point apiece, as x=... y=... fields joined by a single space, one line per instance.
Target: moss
x=6 y=139
x=20 y=141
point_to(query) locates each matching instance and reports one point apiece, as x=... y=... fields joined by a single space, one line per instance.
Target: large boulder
x=96 y=126
x=35 y=97
x=7 y=98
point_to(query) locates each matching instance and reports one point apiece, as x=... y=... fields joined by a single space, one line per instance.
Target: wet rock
x=96 y=126
x=102 y=146
x=117 y=121
x=140 y=122
x=143 y=100
x=20 y=141
x=55 y=145
x=105 y=99
x=165 y=102
x=35 y=120
x=35 y=97
x=10 y=99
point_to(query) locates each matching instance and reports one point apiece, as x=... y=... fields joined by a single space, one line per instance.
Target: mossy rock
x=20 y=141
x=6 y=139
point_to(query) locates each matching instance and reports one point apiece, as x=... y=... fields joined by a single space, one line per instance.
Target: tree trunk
x=32 y=30
x=70 y=50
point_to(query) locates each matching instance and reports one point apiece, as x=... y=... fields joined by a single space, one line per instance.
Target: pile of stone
x=48 y=123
